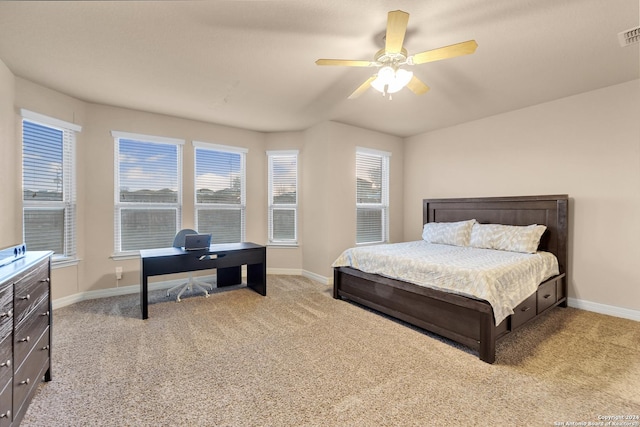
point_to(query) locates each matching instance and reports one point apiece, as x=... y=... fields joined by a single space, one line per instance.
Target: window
x=372 y=196
x=148 y=198
x=283 y=197
x=48 y=184
x=220 y=191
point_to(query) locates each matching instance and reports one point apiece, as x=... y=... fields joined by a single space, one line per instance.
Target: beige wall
x=316 y=199
x=99 y=176
x=587 y=146
x=57 y=105
x=95 y=168
x=10 y=187
x=329 y=187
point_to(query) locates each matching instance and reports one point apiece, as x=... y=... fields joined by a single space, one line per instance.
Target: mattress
x=504 y=279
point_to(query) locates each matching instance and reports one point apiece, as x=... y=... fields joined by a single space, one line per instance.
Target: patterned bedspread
x=504 y=279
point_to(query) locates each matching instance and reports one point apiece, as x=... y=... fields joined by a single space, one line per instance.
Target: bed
x=467 y=320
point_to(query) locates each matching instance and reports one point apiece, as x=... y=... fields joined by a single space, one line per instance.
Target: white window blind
x=49 y=184
x=372 y=196
x=283 y=197
x=148 y=199
x=220 y=191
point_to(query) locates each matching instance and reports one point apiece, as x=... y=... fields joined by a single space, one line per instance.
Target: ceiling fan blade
x=458 y=49
x=363 y=87
x=345 y=62
x=397 y=21
x=416 y=86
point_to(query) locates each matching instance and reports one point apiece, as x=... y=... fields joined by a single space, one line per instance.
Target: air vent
x=629 y=37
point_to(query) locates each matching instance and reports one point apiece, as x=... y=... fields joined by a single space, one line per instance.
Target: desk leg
x=229 y=276
x=257 y=278
x=144 y=298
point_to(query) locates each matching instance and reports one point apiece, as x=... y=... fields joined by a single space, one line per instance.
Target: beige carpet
x=300 y=358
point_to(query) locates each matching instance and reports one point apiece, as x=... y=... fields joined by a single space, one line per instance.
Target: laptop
x=197 y=242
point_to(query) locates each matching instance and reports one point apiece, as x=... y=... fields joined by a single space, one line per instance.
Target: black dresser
x=25 y=333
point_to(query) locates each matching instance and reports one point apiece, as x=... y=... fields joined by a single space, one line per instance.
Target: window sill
x=64 y=262
x=372 y=243
x=283 y=245
x=125 y=255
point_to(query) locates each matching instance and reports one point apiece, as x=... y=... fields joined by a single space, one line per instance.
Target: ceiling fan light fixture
x=379 y=85
x=386 y=74
x=390 y=80
x=403 y=77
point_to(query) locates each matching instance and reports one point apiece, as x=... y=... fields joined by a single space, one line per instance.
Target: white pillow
x=512 y=238
x=448 y=233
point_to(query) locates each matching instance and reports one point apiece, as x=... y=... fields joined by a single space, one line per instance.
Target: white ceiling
x=250 y=64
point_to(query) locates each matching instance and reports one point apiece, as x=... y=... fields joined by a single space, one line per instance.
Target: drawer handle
x=7 y=364
x=46 y=313
x=6 y=314
x=25 y=381
x=6 y=415
x=525 y=309
x=44 y=280
x=27 y=339
x=27 y=297
x=547 y=296
x=46 y=347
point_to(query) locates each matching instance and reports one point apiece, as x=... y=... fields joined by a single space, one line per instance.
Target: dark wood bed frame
x=466 y=320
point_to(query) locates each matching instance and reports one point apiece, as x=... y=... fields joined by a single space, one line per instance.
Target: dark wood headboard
x=551 y=211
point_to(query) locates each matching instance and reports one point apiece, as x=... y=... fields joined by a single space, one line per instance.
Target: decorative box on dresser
x=25 y=332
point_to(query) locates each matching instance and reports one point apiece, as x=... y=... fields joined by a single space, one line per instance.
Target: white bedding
x=502 y=278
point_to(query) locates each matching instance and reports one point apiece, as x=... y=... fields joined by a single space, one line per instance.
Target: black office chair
x=178 y=242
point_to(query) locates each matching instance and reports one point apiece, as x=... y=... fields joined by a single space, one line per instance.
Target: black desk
x=227 y=258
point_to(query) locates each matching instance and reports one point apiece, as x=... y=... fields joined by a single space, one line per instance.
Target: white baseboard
x=318 y=278
x=285 y=271
x=610 y=310
x=595 y=307
x=120 y=290
x=304 y=273
x=133 y=289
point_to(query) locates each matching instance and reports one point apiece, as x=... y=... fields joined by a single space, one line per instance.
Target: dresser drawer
x=38 y=271
x=6 y=311
x=6 y=406
x=29 y=331
x=29 y=375
x=6 y=359
x=546 y=295
x=29 y=291
x=525 y=311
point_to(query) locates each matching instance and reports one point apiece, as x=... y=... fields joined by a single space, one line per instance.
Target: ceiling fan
x=391 y=77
